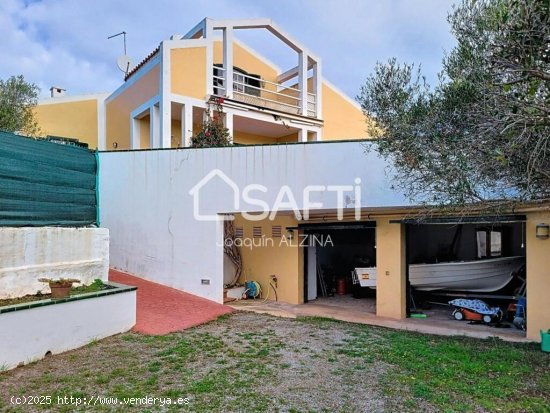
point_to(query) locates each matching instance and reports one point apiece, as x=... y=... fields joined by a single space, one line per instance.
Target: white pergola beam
x=228 y=61
x=291 y=73
x=318 y=89
x=198 y=31
x=302 y=82
x=261 y=23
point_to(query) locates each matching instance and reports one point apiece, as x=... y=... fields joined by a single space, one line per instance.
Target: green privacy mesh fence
x=45 y=183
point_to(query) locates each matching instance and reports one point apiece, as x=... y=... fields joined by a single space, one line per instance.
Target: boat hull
x=476 y=276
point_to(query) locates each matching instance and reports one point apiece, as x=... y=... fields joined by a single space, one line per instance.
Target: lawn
x=255 y=363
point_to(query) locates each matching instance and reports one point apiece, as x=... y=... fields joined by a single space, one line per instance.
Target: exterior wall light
x=290 y=233
x=543 y=231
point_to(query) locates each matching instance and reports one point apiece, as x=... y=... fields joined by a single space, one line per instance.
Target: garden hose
x=274 y=290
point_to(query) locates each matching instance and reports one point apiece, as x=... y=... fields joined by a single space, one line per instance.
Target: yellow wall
x=247 y=61
x=119 y=109
x=250 y=139
x=176 y=134
x=70 y=120
x=280 y=259
x=293 y=137
x=144 y=133
x=188 y=72
x=342 y=119
x=390 y=269
x=538 y=277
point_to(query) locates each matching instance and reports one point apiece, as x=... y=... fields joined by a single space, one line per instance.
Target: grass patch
x=255 y=363
x=455 y=374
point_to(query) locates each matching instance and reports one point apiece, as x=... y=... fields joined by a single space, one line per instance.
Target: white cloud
x=64 y=42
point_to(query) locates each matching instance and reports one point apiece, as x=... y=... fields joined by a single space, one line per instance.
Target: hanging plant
x=213 y=132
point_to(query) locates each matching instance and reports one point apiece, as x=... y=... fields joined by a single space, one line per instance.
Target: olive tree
x=482 y=133
x=17 y=100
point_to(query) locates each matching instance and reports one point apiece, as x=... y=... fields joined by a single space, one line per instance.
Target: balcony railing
x=258 y=92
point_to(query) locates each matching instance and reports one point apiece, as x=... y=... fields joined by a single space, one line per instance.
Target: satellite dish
x=124 y=63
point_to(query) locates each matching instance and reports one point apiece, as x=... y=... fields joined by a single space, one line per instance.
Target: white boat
x=484 y=275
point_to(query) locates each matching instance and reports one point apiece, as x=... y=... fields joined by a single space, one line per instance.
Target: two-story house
x=162 y=102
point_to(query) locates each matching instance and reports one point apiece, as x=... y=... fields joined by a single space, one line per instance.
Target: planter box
x=30 y=331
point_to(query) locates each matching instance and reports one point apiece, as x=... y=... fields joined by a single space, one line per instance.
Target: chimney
x=57 y=92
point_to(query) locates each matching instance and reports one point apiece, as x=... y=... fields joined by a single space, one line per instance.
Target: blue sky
x=64 y=42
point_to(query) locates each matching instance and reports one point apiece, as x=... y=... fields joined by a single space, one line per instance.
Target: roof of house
x=140 y=64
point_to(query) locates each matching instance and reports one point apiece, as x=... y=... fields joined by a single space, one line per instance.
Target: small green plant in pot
x=61 y=287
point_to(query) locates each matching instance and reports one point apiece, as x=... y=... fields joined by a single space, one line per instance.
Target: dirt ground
x=247 y=362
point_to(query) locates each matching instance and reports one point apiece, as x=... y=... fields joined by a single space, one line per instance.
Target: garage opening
x=333 y=256
x=468 y=270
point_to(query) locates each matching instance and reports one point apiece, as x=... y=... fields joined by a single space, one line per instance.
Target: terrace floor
x=363 y=311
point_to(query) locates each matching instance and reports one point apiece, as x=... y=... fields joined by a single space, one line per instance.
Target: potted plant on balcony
x=61 y=287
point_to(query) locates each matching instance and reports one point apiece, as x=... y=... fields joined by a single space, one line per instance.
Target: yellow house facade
x=163 y=100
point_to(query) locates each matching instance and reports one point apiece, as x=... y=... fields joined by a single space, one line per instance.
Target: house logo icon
x=195 y=192
x=284 y=201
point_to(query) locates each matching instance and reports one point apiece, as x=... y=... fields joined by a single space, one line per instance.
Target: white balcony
x=254 y=91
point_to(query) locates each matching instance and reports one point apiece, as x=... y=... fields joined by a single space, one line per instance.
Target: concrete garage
x=523 y=235
x=481 y=258
x=391 y=243
x=328 y=267
x=331 y=255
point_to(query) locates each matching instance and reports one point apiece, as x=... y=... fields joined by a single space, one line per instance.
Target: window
x=489 y=243
x=238 y=82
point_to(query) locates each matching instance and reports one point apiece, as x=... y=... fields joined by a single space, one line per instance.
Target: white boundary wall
x=145 y=201
x=27 y=335
x=27 y=254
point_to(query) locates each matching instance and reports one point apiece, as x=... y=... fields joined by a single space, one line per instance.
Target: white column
x=318 y=89
x=154 y=126
x=209 y=36
x=165 y=125
x=302 y=82
x=302 y=135
x=186 y=125
x=135 y=134
x=206 y=113
x=229 y=125
x=228 y=61
x=165 y=106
